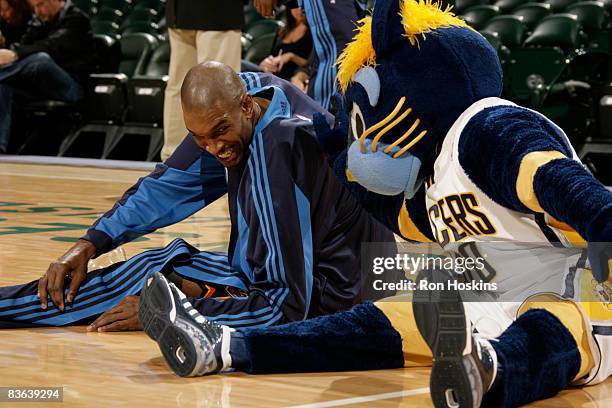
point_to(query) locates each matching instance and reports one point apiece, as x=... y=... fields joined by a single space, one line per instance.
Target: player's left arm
x=529 y=168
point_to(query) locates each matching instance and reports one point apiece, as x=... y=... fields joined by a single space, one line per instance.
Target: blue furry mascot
x=438 y=156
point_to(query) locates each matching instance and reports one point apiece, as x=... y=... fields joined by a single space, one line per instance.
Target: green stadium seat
x=607 y=5
x=506 y=6
x=593 y=64
x=121 y=5
x=543 y=62
x=140 y=16
x=478 y=16
x=107 y=102
x=87 y=6
x=533 y=73
x=46 y=123
x=532 y=13
x=261 y=48
x=108 y=14
x=462 y=5
x=281 y=13
x=510 y=30
x=591 y=15
x=105 y=27
x=246 y=43
x=107 y=51
x=251 y=16
x=141 y=136
x=558 y=6
x=156 y=5
x=557 y=30
x=264 y=27
x=159 y=63
x=141 y=27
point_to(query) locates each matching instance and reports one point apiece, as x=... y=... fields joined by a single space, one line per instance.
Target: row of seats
x=122 y=114
x=507 y=6
x=592 y=15
x=536 y=56
x=92 y=7
x=113 y=17
x=538 y=48
x=117 y=17
x=126 y=101
x=556 y=58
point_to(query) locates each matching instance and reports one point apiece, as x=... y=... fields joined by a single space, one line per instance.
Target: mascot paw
x=600 y=258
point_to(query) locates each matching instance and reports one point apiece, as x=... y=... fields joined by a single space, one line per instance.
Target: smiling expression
x=223 y=131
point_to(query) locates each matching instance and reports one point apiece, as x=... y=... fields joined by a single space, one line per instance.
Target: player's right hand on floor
x=73 y=265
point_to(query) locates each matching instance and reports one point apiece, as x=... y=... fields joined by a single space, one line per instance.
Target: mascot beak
x=382 y=173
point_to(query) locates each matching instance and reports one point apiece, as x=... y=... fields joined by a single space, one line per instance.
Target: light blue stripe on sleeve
x=303 y=206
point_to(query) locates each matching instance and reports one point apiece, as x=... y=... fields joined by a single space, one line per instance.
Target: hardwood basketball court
x=43 y=208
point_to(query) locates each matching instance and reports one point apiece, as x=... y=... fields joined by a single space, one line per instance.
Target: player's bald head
x=209 y=85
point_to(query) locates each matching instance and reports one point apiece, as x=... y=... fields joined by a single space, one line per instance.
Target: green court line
x=46 y=209
x=93 y=214
x=177 y=234
x=33 y=230
x=73 y=239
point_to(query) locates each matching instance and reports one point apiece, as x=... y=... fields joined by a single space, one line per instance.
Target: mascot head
x=410 y=71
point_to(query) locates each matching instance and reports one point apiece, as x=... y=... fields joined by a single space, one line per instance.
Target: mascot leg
x=546 y=349
x=361 y=338
x=537 y=358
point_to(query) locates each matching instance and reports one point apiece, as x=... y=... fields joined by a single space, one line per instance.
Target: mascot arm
x=528 y=169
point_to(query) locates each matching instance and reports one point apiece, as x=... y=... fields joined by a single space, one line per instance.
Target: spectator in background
x=14 y=17
x=202 y=30
x=332 y=24
x=52 y=60
x=291 y=48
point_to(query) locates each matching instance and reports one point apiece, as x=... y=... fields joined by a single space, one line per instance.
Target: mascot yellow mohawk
x=419 y=17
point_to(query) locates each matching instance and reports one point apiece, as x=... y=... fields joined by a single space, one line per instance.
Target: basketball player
x=296 y=233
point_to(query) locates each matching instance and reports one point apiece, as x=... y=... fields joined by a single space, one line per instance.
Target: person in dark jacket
x=14 y=17
x=199 y=31
x=51 y=61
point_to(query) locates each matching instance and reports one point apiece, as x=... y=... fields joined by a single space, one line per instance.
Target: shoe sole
x=441 y=320
x=174 y=343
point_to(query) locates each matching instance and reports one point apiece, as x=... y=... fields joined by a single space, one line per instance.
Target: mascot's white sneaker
x=464 y=364
x=191 y=344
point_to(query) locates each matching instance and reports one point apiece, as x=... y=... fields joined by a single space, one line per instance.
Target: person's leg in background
x=38 y=77
x=222 y=46
x=183 y=56
x=42 y=76
x=6 y=105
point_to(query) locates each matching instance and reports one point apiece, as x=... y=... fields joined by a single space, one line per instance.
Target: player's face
x=223 y=132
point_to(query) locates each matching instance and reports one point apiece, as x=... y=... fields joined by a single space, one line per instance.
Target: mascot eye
x=357 y=122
